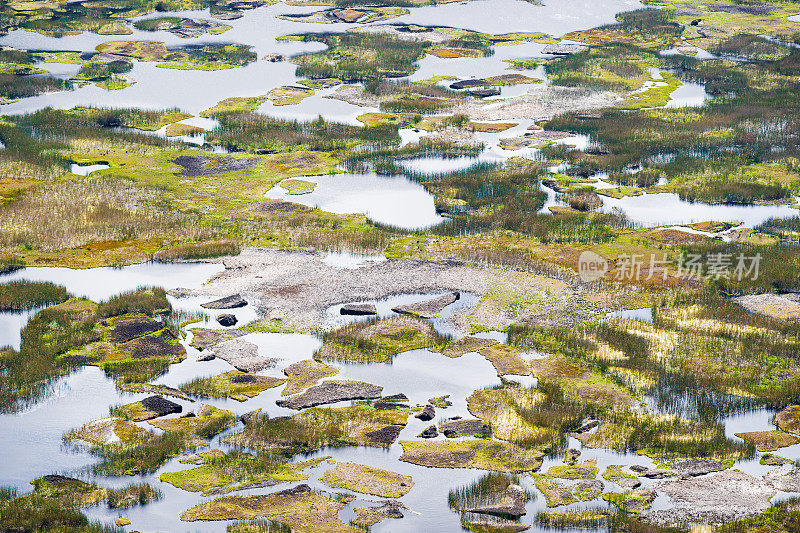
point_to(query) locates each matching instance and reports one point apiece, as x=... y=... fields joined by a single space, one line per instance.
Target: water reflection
x=390 y=200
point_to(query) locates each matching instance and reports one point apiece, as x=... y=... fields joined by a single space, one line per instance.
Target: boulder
x=484 y=93
x=429 y=433
x=161 y=406
x=395 y=398
x=428 y=308
x=227 y=319
x=427 y=413
x=229 y=302
x=358 y=309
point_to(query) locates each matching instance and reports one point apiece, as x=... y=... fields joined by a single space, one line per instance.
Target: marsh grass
x=200 y=250
x=488 y=490
x=135 y=494
x=22 y=295
x=27 y=373
x=788 y=229
x=356 y=57
x=32 y=512
x=732 y=191
x=143 y=457
x=556 y=412
x=13 y=86
x=67 y=214
x=150 y=301
x=253 y=132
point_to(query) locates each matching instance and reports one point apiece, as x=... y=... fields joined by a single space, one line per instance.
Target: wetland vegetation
x=335 y=377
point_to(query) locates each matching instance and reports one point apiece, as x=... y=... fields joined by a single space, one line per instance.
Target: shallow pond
x=508 y=16
x=667 y=208
x=390 y=200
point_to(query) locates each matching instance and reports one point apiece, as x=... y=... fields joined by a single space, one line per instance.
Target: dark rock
x=429 y=432
x=462 y=428
x=465 y=84
x=207 y=357
x=427 y=413
x=331 y=392
x=294 y=491
x=385 y=435
x=358 y=309
x=696 y=22
x=484 y=93
x=395 y=398
x=161 y=406
x=428 y=308
x=229 y=302
x=512 y=505
x=128 y=328
x=227 y=319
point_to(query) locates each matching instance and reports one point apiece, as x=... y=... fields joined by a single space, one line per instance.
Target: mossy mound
x=584 y=471
x=368 y=480
x=304 y=374
x=483 y=454
x=631 y=502
x=506 y=360
x=767 y=441
x=505 y=407
x=558 y=493
x=239 y=386
x=299 y=508
x=377 y=340
x=208 y=421
x=221 y=473
x=357 y=425
x=789 y=419
x=466 y=345
x=108 y=431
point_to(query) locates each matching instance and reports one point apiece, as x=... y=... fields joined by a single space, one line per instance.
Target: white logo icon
x=591 y=266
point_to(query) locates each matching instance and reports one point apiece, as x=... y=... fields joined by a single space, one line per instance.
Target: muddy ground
x=298 y=287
